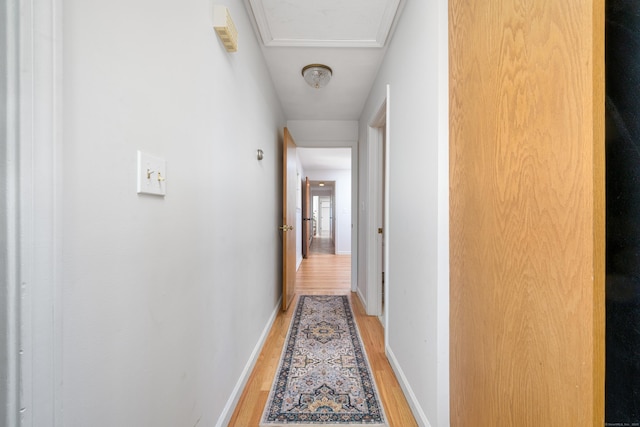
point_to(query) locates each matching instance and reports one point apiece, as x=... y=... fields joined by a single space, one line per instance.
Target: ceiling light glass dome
x=317 y=75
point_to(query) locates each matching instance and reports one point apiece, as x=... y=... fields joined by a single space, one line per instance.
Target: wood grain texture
x=290 y=186
x=307 y=216
x=526 y=212
x=323 y=275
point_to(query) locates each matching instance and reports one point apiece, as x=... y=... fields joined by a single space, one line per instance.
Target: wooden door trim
x=599 y=211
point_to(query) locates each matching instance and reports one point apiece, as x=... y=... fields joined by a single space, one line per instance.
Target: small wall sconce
x=225 y=28
x=260 y=154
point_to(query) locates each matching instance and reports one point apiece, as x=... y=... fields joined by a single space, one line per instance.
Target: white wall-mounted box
x=224 y=26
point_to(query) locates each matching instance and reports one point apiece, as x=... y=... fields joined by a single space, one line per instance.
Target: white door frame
x=379 y=122
x=32 y=285
x=9 y=219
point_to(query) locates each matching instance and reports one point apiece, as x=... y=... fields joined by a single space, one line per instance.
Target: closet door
x=527 y=212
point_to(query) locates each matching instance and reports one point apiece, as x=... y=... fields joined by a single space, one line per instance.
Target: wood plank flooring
x=322 y=274
x=322 y=245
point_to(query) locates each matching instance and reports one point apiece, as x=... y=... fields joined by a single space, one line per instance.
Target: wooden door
x=526 y=213
x=290 y=185
x=306 y=217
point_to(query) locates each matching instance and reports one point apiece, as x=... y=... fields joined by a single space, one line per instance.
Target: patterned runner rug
x=324 y=377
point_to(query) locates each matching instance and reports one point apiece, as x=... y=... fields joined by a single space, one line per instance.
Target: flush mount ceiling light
x=317 y=75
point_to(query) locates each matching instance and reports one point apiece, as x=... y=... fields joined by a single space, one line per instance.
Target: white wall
x=324 y=133
x=415 y=67
x=164 y=299
x=342 y=212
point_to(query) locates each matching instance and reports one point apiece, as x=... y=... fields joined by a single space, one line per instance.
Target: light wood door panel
x=307 y=217
x=290 y=186
x=526 y=213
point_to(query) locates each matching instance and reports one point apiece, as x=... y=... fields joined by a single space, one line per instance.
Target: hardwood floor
x=322 y=274
x=322 y=245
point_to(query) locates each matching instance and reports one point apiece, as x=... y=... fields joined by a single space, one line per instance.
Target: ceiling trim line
x=322 y=43
x=385 y=28
x=388 y=19
x=260 y=19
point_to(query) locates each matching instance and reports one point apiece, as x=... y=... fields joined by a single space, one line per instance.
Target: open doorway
x=379 y=146
x=323 y=219
x=377 y=254
x=327 y=173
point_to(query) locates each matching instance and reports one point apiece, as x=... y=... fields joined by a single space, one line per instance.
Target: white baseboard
x=363 y=300
x=416 y=409
x=343 y=252
x=227 y=412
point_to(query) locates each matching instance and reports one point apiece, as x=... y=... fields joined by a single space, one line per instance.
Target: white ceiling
x=335 y=23
x=350 y=36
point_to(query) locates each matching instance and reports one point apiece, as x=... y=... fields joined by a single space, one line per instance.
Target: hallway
x=129 y=309
x=323 y=274
x=175 y=294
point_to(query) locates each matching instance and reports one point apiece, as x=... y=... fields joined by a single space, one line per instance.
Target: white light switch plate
x=152 y=174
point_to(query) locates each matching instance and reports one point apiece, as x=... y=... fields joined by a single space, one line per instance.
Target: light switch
x=152 y=174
